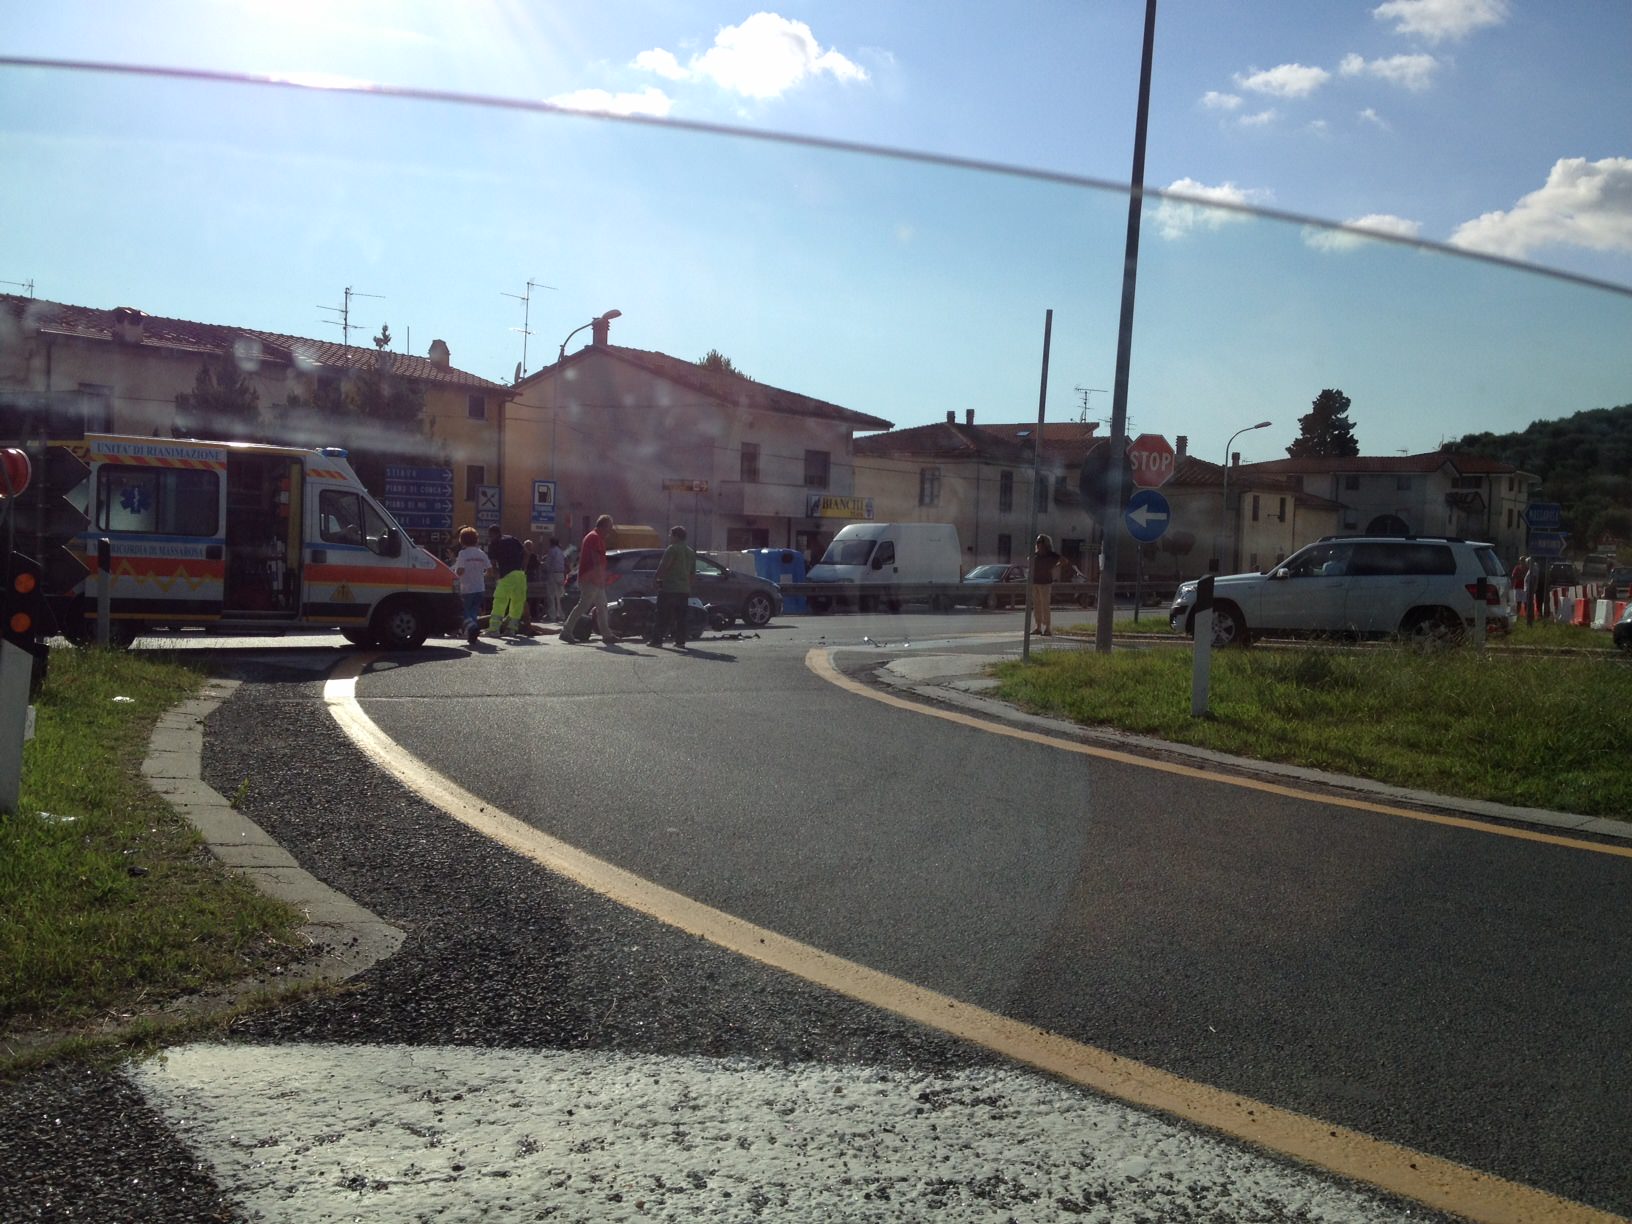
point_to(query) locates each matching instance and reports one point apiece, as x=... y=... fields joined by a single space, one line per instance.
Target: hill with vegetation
x=1585 y=465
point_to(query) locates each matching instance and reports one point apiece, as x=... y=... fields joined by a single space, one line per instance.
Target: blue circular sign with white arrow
x=1147 y=515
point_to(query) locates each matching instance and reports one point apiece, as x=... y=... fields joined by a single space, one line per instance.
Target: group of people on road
x=513 y=564
x=674 y=572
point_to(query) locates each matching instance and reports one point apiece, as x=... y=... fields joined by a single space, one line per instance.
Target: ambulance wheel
x=359 y=637
x=400 y=624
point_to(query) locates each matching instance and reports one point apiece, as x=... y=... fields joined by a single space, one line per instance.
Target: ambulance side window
x=157 y=501
x=378 y=534
x=340 y=515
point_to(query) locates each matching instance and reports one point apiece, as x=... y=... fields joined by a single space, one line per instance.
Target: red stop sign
x=1152 y=461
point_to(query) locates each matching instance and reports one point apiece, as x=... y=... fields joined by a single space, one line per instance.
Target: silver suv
x=1418 y=586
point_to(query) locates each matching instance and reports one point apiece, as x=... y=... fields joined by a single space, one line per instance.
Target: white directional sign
x=1147 y=515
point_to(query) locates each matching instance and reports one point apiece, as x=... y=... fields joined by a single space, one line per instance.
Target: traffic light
x=48 y=520
x=27 y=616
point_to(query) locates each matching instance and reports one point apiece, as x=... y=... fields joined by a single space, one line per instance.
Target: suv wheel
x=1229 y=627
x=1430 y=627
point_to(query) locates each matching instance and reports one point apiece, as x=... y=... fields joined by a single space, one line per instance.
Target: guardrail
x=942 y=596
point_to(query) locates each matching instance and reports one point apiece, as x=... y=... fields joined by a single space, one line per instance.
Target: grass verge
x=1537 y=732
x=109 y=904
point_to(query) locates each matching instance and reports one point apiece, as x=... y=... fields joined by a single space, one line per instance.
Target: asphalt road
x=1455 y=991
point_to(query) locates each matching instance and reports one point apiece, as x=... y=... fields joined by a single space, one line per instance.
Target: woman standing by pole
x=1043 y=561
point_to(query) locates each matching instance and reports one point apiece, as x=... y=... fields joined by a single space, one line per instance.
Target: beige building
x=656 y=440
x=73 y=369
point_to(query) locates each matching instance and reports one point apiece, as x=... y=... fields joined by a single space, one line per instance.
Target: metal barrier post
x=1202 y=669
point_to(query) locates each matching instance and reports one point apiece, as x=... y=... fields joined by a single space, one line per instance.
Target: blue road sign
x=1547 y=543
x=1147 y=515
x=1543 y=516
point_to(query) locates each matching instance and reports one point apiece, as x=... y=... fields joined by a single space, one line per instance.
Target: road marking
x=392 y=1132
x=820 y=661
x=1399 y=1170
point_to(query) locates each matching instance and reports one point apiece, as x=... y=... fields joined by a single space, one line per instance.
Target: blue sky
x=900 y=288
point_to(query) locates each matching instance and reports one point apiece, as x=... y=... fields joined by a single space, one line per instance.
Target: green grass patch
x=1545 y=732
x=108 y=901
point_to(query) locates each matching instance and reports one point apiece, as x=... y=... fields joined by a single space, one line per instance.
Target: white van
x=245 y=535
x=885 y=559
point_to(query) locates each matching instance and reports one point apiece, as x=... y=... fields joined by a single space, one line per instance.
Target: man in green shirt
x=674 y=573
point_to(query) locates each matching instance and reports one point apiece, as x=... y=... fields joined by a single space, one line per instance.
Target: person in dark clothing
x=1043 y=561
x=510 y=594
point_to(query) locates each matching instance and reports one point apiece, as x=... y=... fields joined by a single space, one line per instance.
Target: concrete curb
x=959 y=679
x=347 y=938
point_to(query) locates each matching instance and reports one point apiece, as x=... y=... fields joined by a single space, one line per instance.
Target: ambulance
x=244 y=536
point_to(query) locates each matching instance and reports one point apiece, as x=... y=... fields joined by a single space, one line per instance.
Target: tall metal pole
x=1116 y=492
x=1036 y=460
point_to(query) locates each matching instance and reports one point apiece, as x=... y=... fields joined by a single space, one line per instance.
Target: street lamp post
x=1213 y=564
x=555 y=389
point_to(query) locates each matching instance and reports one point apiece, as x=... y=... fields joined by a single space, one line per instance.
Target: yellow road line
x=820 y=660
x=1438 y=1183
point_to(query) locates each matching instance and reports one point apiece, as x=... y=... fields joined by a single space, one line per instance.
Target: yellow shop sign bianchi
x=820 y=505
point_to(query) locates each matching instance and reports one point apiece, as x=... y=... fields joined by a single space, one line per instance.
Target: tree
x=719 y=363
x=222 y=404
x=1325 y=430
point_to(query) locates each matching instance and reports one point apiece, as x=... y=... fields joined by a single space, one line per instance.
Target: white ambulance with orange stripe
x=241 y=535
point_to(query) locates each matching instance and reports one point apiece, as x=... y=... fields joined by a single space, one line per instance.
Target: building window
x=929 y=486
x=1510 y=518
x=816 y=468
x=1005 y=495
x=1510 y=484
x=1402 y=482
x=1282 y=514
x=750 y=463
x=1005 y=546
x=476 y=408
x=1255 y=507
x=475 y=478
x=1351 y=482
x=1042 y=494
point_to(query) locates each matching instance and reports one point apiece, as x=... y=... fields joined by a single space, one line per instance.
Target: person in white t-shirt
x=471 y=566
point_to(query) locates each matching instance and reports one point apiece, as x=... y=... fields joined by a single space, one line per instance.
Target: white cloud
x=649 y=101
x=1177 y=219
x=1346 y=239
x=1285 y=80
x=1414 y=72
x=1213 y=100
x=1440 y=19
x=1583 y=204
x=662 y=63
x=1372 y=117
x=764 y=57
x=1258 y=119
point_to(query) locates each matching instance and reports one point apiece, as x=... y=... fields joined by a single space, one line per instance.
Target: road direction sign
x=543 y=503
x=487 y=505
x=1147 y=515
x=1543 y=516
x=1152 y=460
x=1547 y=543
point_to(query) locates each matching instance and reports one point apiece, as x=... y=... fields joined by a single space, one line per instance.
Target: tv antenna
x=344 y=322
x=28 y=285
x=526 y=300
x=1085 y=392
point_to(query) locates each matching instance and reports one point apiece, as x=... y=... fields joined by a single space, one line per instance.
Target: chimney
x=127 y=325
x=1182 y=450
x=968 y=416
x=951 y=416
x=439 y=355
x=1235 y=458
x=599 y=330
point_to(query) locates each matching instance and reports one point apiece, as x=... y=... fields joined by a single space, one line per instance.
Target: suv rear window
x=1491 y=562
x=1377 y=560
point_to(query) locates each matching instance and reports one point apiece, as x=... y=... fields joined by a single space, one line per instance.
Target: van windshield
x=848 y=552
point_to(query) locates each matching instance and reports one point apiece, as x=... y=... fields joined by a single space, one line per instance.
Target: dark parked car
x=1623 y=629
x=983 y=576
x=729 y=594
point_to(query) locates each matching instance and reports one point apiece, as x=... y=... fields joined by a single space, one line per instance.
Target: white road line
x=327 y=1133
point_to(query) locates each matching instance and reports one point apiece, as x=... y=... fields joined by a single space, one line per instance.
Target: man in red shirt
x=592 y=583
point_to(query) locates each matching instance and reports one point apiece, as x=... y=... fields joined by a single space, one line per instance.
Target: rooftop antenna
x=344 y=322
x=28 y=285
x=526 y=300
x=1085 y=392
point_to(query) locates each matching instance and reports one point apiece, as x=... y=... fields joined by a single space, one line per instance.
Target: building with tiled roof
x=656 y=440
x=74 y=369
